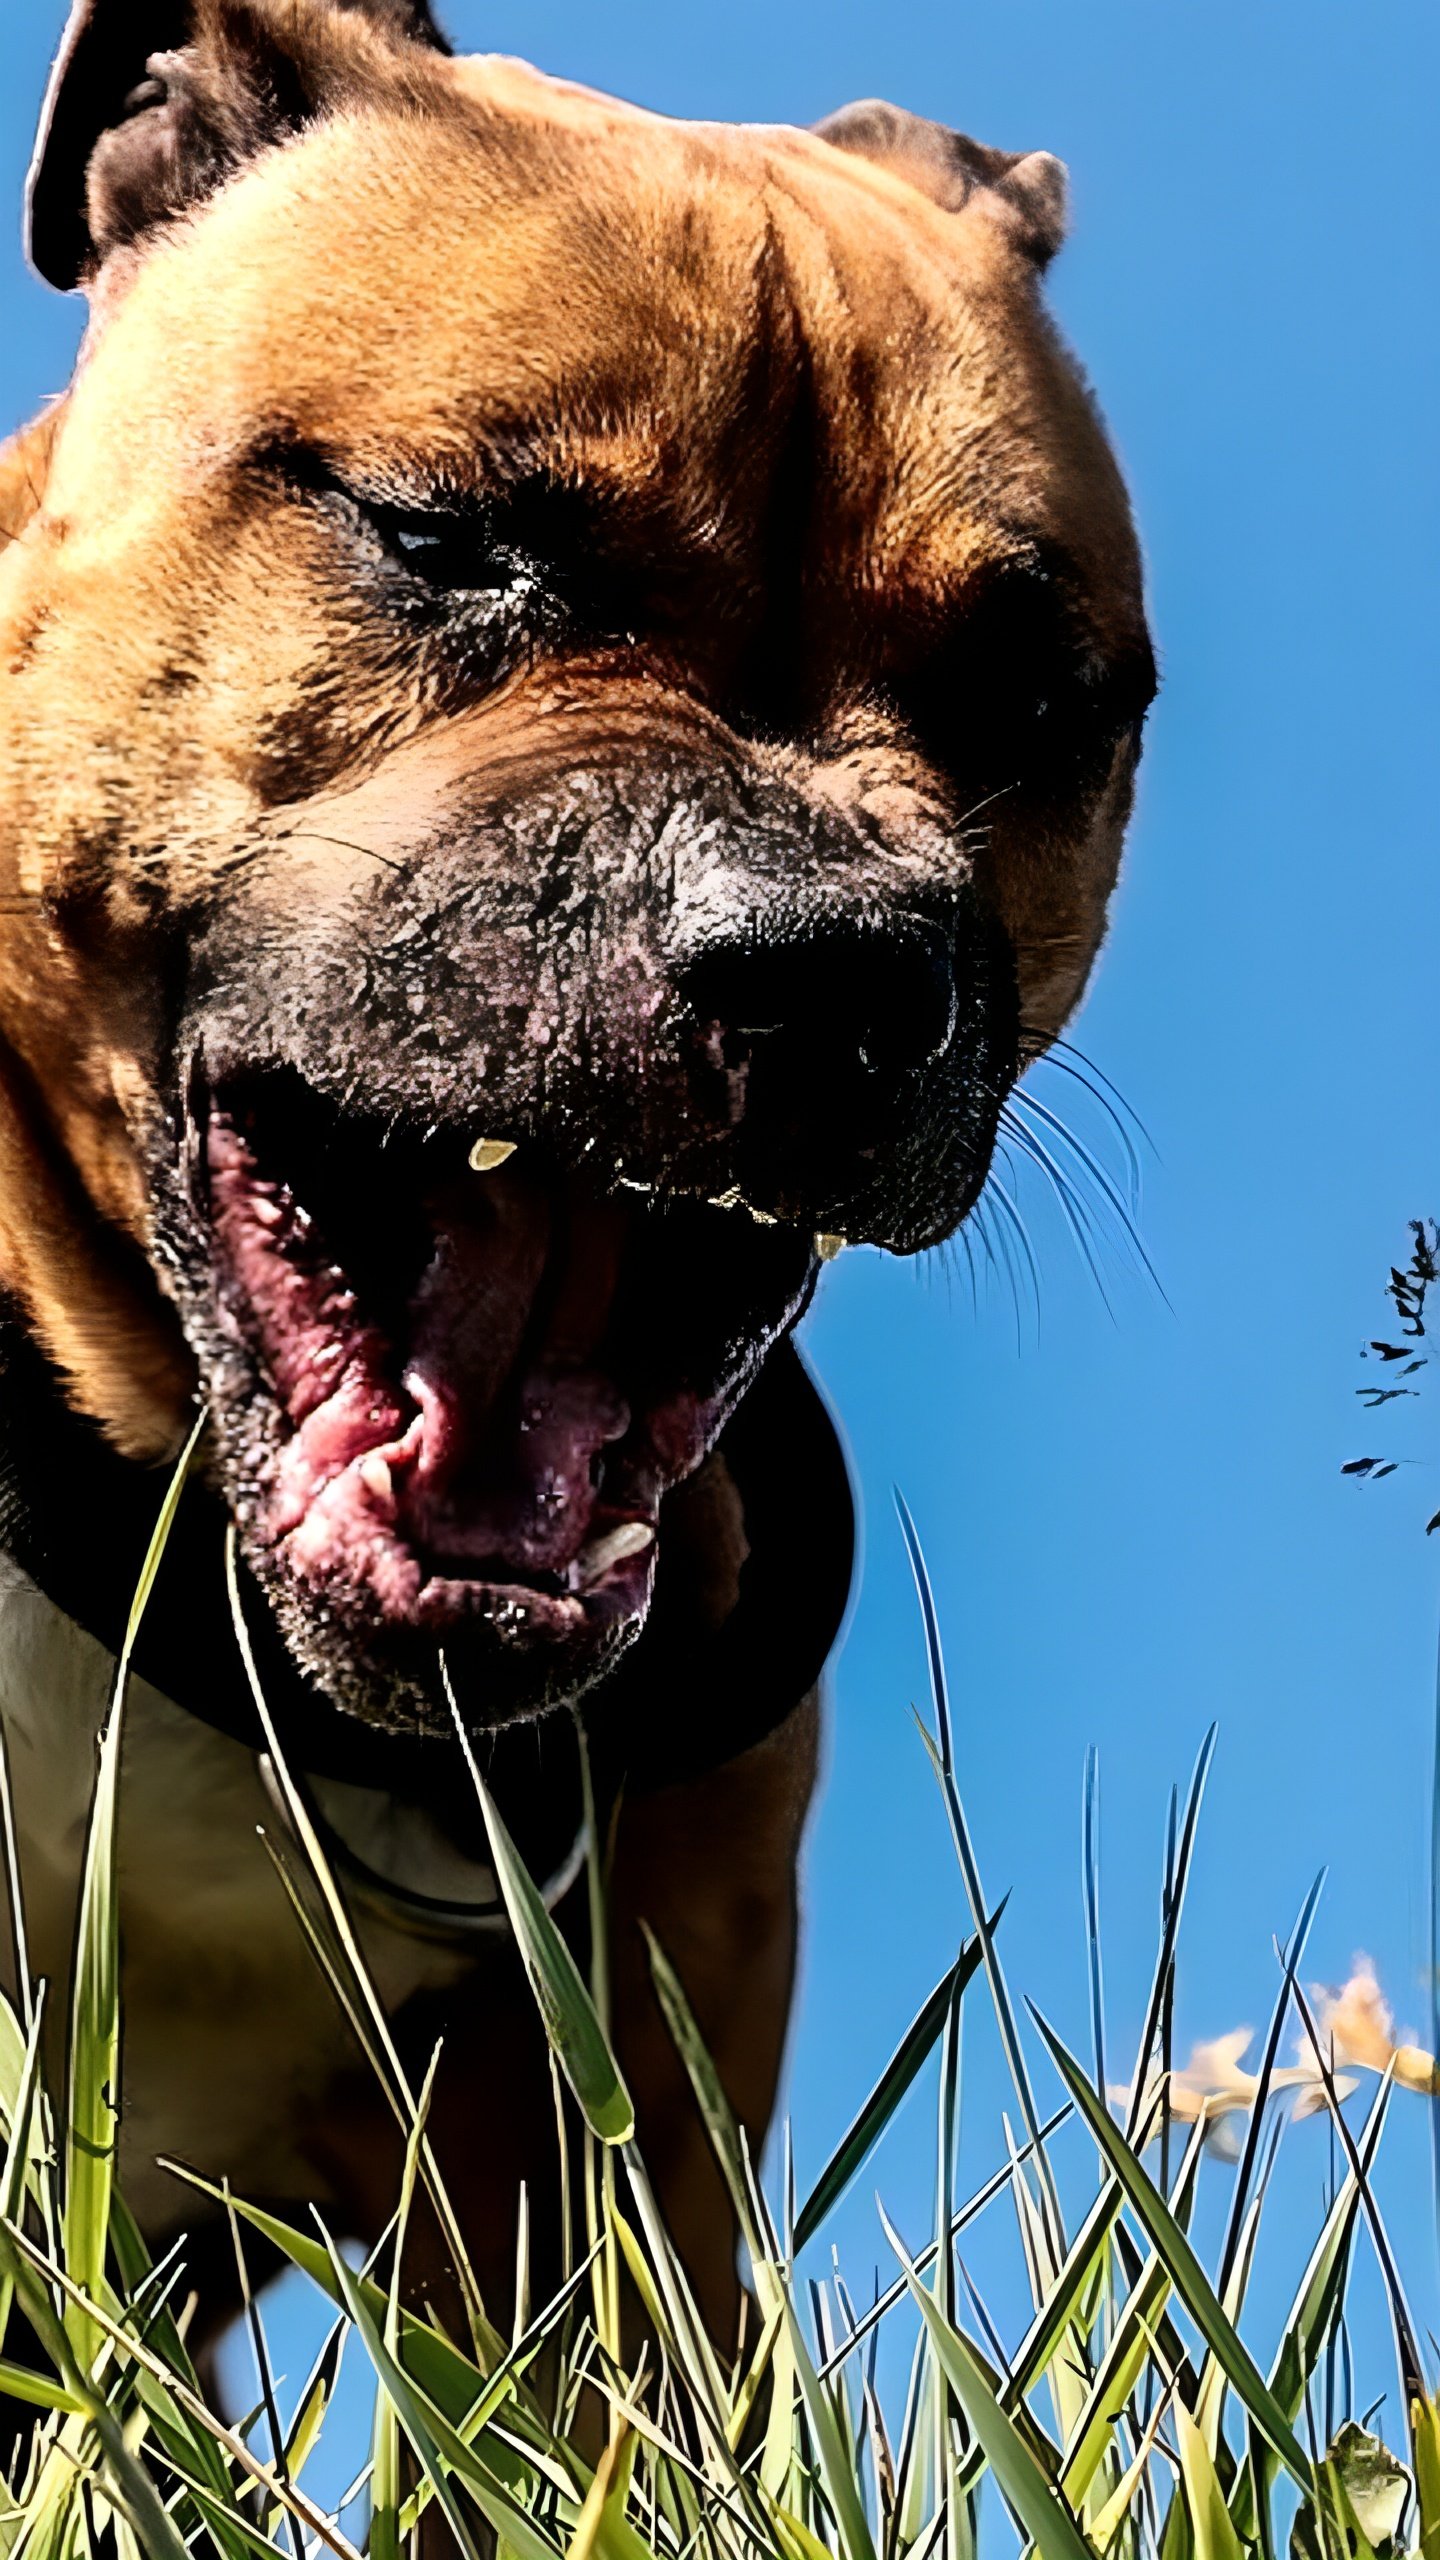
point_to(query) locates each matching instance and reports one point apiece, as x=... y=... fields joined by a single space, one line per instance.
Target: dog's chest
x=231 y=2037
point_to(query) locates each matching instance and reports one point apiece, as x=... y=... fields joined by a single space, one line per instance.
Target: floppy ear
x=153 y=102
x=1027 y=189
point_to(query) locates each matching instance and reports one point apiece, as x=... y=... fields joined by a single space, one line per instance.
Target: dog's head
x=571 y=691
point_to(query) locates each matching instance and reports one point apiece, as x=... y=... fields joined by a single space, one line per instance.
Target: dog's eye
x=1017 y=695
x=460 y=553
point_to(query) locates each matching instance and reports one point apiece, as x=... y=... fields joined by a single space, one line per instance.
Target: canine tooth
x=488 y=1154
x=630 y=1539
x=829 y=1246
x=376 y=1478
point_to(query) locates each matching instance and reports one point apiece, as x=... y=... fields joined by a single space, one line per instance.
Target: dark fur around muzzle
x=669 y=979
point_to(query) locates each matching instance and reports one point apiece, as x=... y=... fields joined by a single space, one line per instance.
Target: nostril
x=842 y=1017
x=906 y=1018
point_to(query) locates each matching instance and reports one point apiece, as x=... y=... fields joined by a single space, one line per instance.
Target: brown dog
x=571 y=686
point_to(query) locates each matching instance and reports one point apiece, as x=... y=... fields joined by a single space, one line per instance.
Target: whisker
x=972 y=813
x=964 y=1242
x=1029 y=1102
x=1013 y=1225
x=1071 y=1206
x=1086 y=1071
x=1117 y=1120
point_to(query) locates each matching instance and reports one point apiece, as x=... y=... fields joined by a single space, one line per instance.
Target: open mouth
x=454 y=1385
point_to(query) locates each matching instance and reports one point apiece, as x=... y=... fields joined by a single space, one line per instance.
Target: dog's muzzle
x=503 y=1176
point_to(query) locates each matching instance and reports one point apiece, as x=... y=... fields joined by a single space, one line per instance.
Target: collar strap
x=441 y=1922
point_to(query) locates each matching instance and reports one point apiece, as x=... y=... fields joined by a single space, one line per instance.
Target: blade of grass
x=92 y=2117
x=716 y=2113
x=136 y=2349
x=1250 y=2151
x=457 y=2387
x=18 y=2158
x=1090 y=1871
x=567 y=2012
x=255 y=2327
x=910 y=2055
x=1185 y=2271
x=943 y=1760
x=1425 y=2432
x=994 y=2186
x=421 y=2422
x=489 y=2345
x=1213 y=2536
x=385 y=2481
x=1407 y=2349
x=1040 y=2513
x=1177 y=1884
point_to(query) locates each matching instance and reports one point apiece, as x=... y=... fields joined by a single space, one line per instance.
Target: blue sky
x=1136 y=1518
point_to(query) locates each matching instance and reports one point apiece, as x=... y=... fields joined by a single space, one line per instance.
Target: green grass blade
x=1212 y=2535
x=449 y=2380
x=1407 y=2347
x=943 y=1760
x=31 y=2263
x=20 y=2161
x=1125 y=2359
x=910 y=2055
x=1425 y=2434
x=39 y=2390
x=1183 y=2267
x=1032 y=2500
x=1318 y=2296
x=1090 y=1881
x=994 y=2186
x=1058 y=2313
x=386 y=2485
x=92 y=2115
x=360 y=1993
x=834 y=2457
x=92 y=2122
x=1250 y=2150
x=1174 y=1908
x=438 y=2447
x=567 y=2011
x=716 y=2112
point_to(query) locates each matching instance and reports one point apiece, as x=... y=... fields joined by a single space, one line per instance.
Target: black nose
x=810 y=1048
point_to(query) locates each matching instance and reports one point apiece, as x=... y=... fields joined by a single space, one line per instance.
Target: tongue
x=513 y=1415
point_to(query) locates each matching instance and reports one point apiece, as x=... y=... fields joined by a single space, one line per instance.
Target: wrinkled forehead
x=525 y=272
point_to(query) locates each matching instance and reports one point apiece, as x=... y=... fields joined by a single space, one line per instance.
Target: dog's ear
x=153 y=102
x=1026 y=189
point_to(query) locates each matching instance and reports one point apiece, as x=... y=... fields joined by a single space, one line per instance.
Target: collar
x=76 y=1517
x=438 y=1919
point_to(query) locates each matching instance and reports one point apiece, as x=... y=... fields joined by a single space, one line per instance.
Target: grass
x=1137 y=2415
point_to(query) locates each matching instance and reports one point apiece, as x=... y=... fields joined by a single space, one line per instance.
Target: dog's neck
x=77 y=1519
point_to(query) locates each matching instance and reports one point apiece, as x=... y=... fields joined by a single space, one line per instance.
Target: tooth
x=630 y=1539
x=730 y=1199
x=376 y=1478
x=488 y=1154
x=828 y=1247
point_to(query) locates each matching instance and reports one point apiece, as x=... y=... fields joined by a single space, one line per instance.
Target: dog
x=570 y=688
